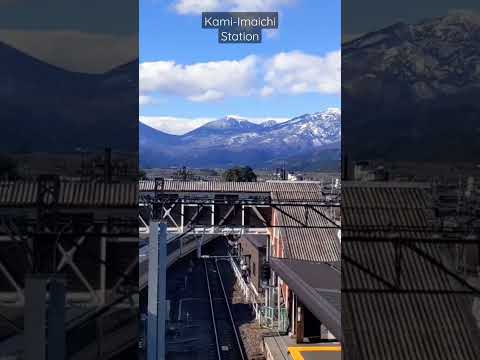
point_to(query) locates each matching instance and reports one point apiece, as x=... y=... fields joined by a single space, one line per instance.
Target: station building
x=306 y=278
x=286 y=236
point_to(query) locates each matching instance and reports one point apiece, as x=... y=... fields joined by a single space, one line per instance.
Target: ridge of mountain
x=228 y=141
x=52 y=108
x=414 y=88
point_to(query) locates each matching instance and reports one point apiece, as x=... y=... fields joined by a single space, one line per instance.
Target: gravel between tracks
x=251 y=332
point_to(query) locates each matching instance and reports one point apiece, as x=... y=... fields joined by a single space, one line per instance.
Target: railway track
x=228 y=345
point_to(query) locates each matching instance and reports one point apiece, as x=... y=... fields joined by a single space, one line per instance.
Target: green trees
x=240 y=173
x=142 y=174
x=184 y=174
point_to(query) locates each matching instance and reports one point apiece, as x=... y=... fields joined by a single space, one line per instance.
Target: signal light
x=266 y=272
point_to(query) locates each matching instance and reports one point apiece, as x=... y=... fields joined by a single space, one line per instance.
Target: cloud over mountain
x=297 y=73
x=292 y=73
x=174 y=124
x=199 y=82
x=181 y=125
x=193 y=7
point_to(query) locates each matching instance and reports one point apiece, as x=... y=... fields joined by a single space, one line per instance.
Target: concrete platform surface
x=285 y=348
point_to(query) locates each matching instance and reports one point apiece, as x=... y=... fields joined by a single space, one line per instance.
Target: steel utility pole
x=44 y=320
x=157 y=279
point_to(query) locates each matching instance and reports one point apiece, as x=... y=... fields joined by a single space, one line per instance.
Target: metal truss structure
x=75 y=243
x=195 y=218
x=94 y=247
x=50 y=238
x=243 y=213
x=427 y=245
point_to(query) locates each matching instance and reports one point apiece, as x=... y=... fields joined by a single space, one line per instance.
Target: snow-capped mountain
x=414 y=89
x=227 y=124
x=232 y=140
x=302 y=132
x=318 y=129
x=53 y=108
x=435 y=57
x=268 y=123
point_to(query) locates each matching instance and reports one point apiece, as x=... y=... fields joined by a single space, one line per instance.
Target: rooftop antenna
x=284 y=171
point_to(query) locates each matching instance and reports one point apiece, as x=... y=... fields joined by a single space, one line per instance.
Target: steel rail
x=229 y=311
x=212 y=311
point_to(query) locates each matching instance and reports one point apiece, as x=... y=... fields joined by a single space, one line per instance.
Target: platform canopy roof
x=318 y=287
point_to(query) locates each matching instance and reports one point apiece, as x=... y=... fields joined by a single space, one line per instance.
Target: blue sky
x=187 y=78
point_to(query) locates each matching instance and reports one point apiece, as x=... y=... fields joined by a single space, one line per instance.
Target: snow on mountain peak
x=268 y=123
x=232 y=138
x=234 y=117
x=433 y=58
x=334 y=110
x=228 y=122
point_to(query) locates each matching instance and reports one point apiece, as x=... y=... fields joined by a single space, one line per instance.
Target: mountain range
x=56 y=110
x=412 y=90
x=306 y=141
x=50 y=109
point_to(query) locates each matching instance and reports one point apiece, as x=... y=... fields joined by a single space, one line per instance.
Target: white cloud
x=189 y=7
x=174 y=125
x=145 y=100
x=298 y=73
x=292 y=73
x=267 y=91
x=181 y=125
x=74 y=50
x=200 y=82
x=209 y=95
x=271 y=33
x=185 y=7
x=258 y=5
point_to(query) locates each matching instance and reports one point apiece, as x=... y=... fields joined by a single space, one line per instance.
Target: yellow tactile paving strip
x=296 y=351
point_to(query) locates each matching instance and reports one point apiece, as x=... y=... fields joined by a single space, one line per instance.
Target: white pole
x=157 y=277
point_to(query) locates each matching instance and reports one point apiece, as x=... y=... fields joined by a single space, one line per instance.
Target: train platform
x=285 y=348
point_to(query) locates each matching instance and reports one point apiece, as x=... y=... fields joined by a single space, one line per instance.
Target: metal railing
x=269 y=317
x=248 y=293
x=274 y=318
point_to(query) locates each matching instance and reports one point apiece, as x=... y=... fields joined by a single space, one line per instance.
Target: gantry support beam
x=399 y=247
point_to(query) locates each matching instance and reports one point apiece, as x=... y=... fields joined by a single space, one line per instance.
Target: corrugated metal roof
x=74 y=194
x=405 y=325
x=223 y=186
x=411 y=324
x=384 y=195
x=309 y=244
x=24 y=193
x=408 y=326
x=371 y=211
